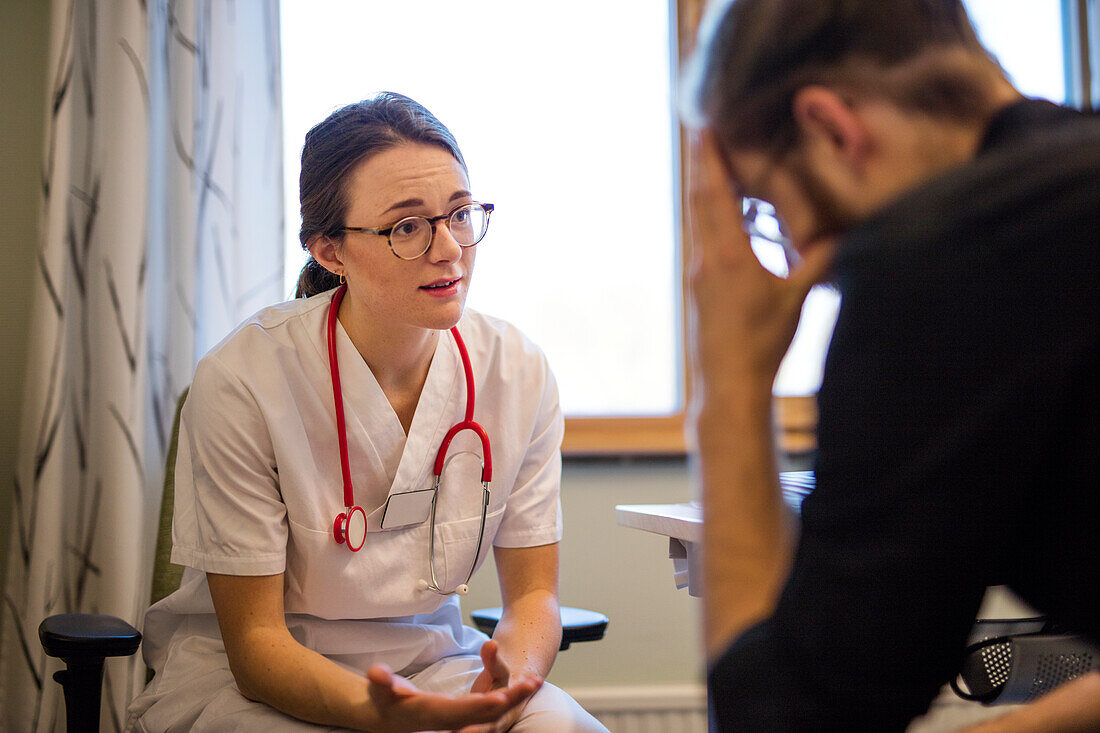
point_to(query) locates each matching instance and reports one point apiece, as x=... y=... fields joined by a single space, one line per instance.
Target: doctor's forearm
x=276 y=670
x=270 y=666
x=529 y=633
x=747 y=531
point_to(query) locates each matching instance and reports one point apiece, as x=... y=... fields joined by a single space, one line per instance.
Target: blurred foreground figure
x=958 y=413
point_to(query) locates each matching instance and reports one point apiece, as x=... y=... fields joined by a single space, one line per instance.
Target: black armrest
x=83 y=640
x=577 y=624
x=85 y=635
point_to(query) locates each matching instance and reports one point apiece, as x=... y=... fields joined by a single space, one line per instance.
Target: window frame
x=795 y=417
x=652 y=434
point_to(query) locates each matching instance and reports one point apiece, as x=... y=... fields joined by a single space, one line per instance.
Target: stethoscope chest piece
x=350 y=526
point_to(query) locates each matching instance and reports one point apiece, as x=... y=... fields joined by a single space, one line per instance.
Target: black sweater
x=958 y=439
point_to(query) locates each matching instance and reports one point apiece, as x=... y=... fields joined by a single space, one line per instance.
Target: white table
x=683 y=525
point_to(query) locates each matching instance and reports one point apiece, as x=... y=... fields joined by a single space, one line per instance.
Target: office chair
x=1007 y=661
x=577 y=624
x=83 y=641
x=1018 y=660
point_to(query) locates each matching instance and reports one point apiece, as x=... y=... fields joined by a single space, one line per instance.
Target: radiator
x=648 y=709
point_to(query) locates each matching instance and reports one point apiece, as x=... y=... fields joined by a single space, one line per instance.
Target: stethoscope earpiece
x=462 y=589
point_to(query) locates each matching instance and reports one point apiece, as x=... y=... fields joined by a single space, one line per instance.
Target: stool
x=577 y=624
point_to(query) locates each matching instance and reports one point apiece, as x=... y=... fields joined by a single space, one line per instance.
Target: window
x=1026 y=36
x=569 y=128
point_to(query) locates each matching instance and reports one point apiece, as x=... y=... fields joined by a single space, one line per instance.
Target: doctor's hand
x=402 y=707
x=742 y=318
x=494 y=676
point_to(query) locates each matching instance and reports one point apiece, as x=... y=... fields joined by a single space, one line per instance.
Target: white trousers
x=211 y=703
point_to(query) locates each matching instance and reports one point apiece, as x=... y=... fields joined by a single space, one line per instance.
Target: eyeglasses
x=759 y=219
x=411 y=237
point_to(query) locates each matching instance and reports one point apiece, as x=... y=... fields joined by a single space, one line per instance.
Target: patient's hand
x=403 y=707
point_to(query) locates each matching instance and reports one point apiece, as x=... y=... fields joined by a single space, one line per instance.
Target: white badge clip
x=407 y=509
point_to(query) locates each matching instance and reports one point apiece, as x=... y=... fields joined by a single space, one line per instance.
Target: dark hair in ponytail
x=335 y=147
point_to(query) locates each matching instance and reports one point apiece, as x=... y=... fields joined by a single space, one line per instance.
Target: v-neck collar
x=369 y=413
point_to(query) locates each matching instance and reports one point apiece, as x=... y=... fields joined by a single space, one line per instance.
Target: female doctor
x=323 y=530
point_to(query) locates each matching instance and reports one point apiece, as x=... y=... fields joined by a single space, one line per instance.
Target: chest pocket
x=458 y=518
x=456 y=543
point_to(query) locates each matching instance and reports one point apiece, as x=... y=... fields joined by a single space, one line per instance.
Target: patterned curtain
x=161 y=228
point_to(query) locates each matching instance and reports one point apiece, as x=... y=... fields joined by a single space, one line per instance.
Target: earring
x=343 y=279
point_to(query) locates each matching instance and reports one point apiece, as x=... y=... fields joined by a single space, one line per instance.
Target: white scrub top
x=258 y=485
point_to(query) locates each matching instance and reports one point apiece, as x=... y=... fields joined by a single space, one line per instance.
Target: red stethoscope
x=350 y=526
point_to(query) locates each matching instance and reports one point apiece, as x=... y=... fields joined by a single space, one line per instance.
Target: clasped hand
x=492 y=706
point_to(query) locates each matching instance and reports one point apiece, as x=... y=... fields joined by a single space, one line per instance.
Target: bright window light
x=568 y=128
x=572 y=122
x=1026 y=37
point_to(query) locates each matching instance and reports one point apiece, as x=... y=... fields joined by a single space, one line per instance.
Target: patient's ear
x=832 y=126
x=326 y=251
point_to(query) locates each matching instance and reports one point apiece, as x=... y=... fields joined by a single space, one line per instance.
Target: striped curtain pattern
x=161 y=228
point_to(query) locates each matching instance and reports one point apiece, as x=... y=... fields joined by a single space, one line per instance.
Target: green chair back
x=166 y=574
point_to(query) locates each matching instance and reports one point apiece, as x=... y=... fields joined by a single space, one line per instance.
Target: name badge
x=407 y=509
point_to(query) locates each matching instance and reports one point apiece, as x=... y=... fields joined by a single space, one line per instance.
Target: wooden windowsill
x=624 y=436
x=795 y=422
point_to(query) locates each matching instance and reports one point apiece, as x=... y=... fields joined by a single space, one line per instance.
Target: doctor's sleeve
x=532 y=516
x=229 y=515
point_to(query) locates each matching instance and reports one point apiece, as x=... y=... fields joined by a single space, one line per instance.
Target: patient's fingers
x=715 y=211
